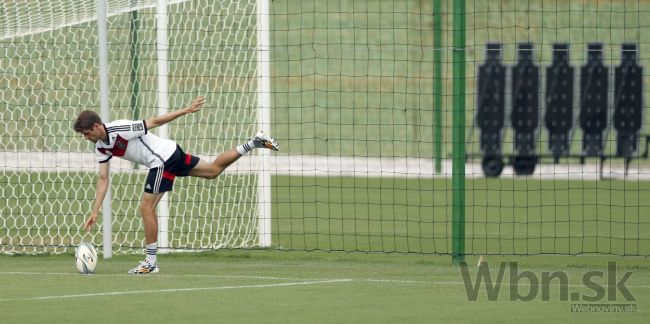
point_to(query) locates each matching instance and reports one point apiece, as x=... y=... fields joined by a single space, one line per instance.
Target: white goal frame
x=264 y=121
x=263 y=117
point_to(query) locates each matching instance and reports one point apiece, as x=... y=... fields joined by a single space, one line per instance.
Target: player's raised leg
x=212 y=170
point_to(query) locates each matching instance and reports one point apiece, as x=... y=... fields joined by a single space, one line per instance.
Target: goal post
x=214 y=49
x=263 y=116
x=162 y=61
x=104 y=94
x=264 y=120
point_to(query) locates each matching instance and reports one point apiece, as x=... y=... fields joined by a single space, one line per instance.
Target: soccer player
x=131 y=140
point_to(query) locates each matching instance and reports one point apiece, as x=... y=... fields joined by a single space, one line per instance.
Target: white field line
x=312 y=165
x=175 y=290
x=20 y=273
x=375 y=280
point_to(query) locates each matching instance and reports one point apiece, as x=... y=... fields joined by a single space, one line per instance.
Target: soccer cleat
x=265 y=141
x=145 y=268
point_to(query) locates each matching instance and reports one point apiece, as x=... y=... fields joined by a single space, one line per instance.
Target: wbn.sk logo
x=597 y=292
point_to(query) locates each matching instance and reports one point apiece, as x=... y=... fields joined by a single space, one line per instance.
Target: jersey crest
x=119 y=148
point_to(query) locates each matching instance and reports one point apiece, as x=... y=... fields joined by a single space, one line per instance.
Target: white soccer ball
x=86 y=258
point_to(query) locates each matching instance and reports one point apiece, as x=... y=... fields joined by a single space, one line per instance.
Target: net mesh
x=354 y=110
x=48 y=58
x=574 y=206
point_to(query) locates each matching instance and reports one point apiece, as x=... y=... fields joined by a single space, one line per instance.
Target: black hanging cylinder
x=628 y=95
x=490 y=109
x=593 y=101
x=559 y=102
x=525 y=110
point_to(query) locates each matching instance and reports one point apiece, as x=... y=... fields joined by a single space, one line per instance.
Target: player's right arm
x=100 y=193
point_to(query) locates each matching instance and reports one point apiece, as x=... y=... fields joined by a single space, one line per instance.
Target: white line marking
x=215 y=276
x=454 y=283
x=174 y=290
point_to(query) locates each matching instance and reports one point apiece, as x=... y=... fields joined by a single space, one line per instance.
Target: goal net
x=50 y=72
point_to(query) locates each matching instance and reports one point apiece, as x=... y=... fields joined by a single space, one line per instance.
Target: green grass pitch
x=295 y=287
x=321 y=287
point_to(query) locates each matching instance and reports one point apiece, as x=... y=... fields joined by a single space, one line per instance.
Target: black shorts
x=161 y=179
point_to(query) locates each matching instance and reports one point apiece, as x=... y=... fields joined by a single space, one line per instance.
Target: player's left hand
x=196 y=104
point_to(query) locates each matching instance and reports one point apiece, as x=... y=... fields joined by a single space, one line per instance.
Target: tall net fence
x=352 y=85
x=557 y=125
x=354 y=90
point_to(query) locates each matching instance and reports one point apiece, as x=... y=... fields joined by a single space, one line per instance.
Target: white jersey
x=130 y=140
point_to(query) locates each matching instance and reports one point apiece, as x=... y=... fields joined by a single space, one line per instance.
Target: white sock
x=151 y=252
x=247 y=147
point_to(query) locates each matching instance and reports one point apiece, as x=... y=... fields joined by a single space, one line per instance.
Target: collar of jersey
x=108 y=137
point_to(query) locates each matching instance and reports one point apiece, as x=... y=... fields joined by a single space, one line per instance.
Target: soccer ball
x=86 y=258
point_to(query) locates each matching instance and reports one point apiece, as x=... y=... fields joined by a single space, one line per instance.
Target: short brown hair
x=86 y=120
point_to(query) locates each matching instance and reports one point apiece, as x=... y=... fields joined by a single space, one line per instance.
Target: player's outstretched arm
x=100 y=193
x=195 y=106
